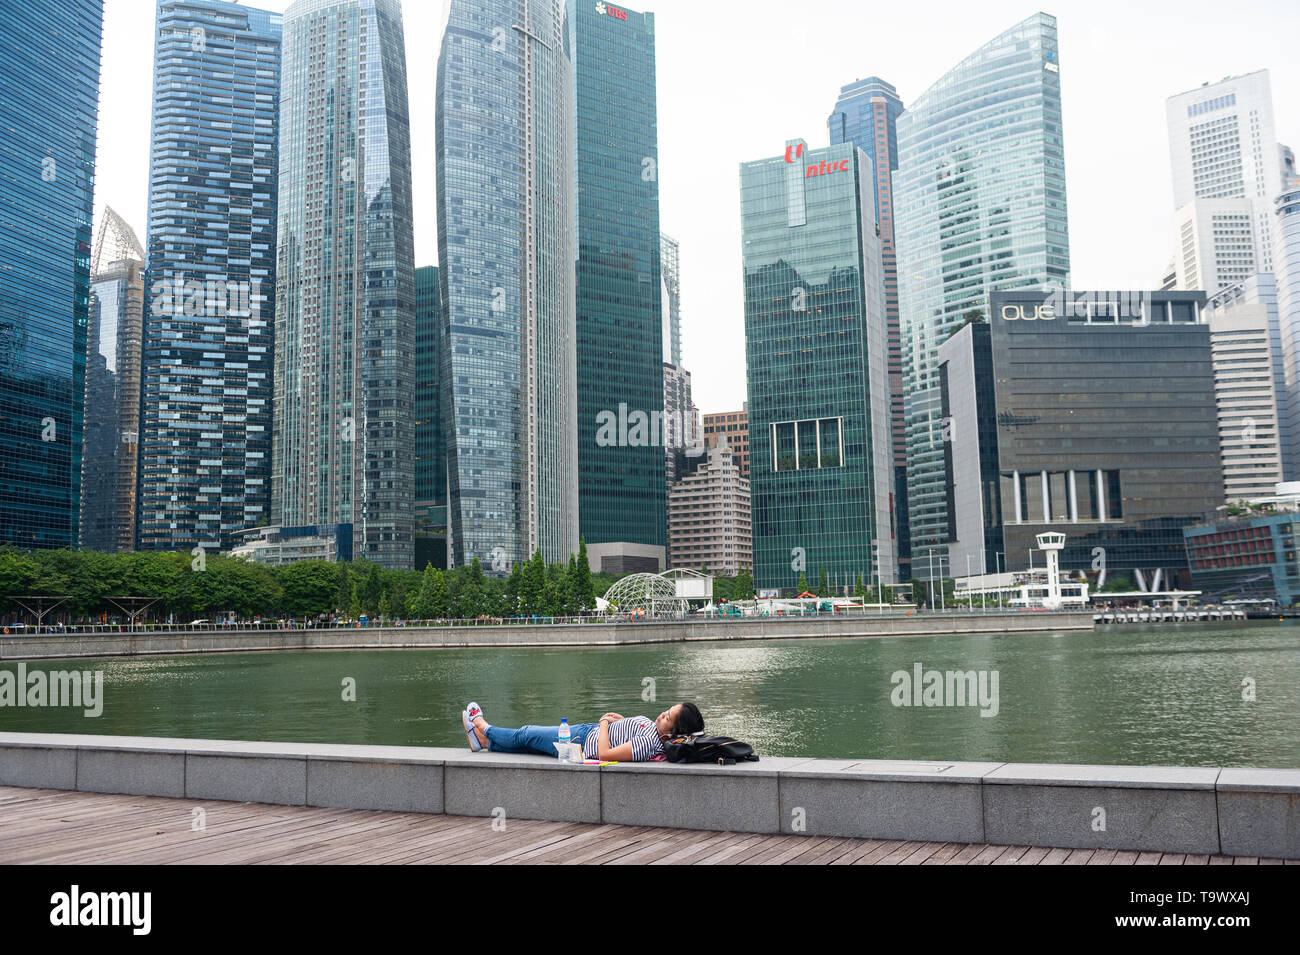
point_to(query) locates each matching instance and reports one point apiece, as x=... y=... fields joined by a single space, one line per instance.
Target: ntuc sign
x=608 y=9
x=823 y=168
x=1015 y=313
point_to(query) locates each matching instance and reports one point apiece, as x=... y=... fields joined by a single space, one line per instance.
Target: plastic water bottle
x=565 y=738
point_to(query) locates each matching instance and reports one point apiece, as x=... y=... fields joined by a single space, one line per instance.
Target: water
x=1156 y=695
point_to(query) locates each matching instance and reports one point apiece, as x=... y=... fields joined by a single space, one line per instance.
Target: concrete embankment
x=1206 y=811
x=155 y=642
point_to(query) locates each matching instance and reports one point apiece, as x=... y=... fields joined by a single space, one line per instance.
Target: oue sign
x=1013 y=313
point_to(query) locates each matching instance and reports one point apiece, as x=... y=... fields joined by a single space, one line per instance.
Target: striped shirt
x=640 y=731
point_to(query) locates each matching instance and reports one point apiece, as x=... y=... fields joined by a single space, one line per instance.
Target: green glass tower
x=430 y=450
x=816 y=347
x=621 y=485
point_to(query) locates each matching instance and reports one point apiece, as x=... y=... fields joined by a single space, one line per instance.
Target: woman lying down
x=614 y=737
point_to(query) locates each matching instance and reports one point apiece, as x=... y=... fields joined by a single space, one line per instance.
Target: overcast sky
x=737 y=79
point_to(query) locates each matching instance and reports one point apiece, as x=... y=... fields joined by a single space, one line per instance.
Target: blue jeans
x=533 y=739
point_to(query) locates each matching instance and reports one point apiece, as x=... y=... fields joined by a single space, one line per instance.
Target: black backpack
x=698 y=748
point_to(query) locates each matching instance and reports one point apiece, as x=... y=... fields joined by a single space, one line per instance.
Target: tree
x=584 y=596
x=372 y=591
x=513 y=590
x=354 y=603
x=344 y=599
x=310 y=587
x=744 y=587
x=803 y=583
x=823 y=587
x=858 y=590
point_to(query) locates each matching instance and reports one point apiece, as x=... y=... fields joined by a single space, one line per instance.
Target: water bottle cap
x=563 y=720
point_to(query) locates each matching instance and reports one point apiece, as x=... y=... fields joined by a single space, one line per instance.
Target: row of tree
x=94 y=585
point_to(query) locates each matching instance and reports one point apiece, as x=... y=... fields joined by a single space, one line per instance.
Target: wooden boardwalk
x=72 y=828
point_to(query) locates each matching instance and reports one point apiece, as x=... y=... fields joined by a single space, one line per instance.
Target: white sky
x=737 y=79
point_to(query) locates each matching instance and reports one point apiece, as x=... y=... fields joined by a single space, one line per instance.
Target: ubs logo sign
x=605 y=8
x=1015 y=313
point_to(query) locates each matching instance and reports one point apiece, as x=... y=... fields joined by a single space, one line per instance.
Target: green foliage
x=823 y=587
x=803 y=583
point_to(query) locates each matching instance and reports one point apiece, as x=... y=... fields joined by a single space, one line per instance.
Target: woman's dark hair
x=689 y=720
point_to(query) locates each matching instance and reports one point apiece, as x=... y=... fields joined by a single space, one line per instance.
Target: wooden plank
x=1270 y=861
x=969 y=852
x=706 y=843
x=1124 y=857
x=861 y=847
x=1245 y=860
x=1080 y=856
x=989 y=855
x=1055 y=857
x=1170 y=858
x=899 y=854
x=1148 y=858
x=944 y=855
x=1196 y=860
x=1102 y=857
x=1033 y=856
x=1220 y=860
x=922 y=854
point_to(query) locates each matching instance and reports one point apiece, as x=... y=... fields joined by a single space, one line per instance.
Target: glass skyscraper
x=866 y=115
x=108 y=478
x=430 y=452
x=506 y=247
x=49 y=89
x=621 y=481
x=344 y=433
x=820 y=463
x=205 y=441
x=979 y=199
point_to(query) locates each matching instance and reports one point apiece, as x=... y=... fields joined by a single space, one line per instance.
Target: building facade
x=205 y=432
x=820 y=453
x=48 y=115
x=111 y=449
x=866 y=114
x=1227 y=169
x=344 y=433
x=1286 y=243
x=730 y=428
x=430 y=451
x=670 y=266
x=979 y=203
x=504 y=118
x=1241 y=346
x=1106 y=431
x=709 y=517
x=684 y=440
x=1249 y=552
x=621 y=486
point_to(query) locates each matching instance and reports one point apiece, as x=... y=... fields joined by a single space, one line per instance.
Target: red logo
x=798 y=151
x=613 y=11
x=822 y=168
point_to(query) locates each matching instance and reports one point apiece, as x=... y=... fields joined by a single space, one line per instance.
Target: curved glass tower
x=979 y=200
x=108 y=466
x=344 y=433
x=504 y=120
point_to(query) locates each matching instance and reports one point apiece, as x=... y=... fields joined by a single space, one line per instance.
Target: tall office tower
x=1241 y=348
x=205 y=442
x=1227 y=170
x=622 y=503
x=113 y=351
x=1089 y=414
x=345 y=290
x=683 y=437
x=49 y=89
x=821 y=462
x=979 y=201
x=430 y=453
x=671 y=266
x=1286 y=244
x=866 y=114
x=504 y=118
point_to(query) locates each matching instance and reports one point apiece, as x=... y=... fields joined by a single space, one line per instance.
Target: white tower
x=1051 y=545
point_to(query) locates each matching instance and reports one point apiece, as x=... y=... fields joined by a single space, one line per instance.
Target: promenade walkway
x=77 y=828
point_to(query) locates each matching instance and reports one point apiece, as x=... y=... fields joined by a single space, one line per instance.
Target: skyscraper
x=109 y=463
x=1286 y=245
x=670 y=258
x=866 y=115
x=622 y=503
x=205 y=442
x=979 y=200
x=49 y=88
x=820 y=464
x=430 y=450
x=504 y=116
x=1227 y=169
x=345 y=291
